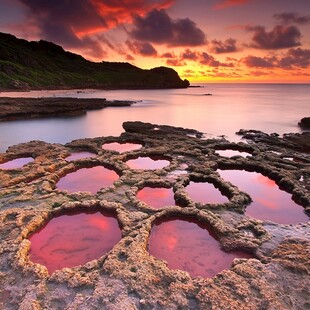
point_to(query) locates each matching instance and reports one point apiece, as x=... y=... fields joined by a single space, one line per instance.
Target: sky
x=203 y=40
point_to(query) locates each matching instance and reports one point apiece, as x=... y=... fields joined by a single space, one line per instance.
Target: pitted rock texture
x=128 y=277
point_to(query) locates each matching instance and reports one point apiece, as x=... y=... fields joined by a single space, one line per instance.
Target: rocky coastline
x=28 y=108
x=128 y=277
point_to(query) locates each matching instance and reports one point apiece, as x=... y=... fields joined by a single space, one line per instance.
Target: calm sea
x=266 y=107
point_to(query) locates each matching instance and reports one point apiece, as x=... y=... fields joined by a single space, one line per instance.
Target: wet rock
x=305 y=123
x=25 y=108
x=127 y=277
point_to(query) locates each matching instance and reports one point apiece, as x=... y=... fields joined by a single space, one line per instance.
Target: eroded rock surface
x=25 y=108
x=128 y=277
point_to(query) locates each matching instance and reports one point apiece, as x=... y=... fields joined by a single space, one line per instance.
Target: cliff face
x=37 y=65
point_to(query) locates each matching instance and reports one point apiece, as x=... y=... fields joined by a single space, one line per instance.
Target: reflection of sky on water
x=190 y=247
x=121 y=147
x=269 y=202
x=74 y=239
x=87 y=180
x=80 y=155
x=205 y=193
x=147 y=163
x=230 y=153
x=16 y=163
x=265 y=107
x=156 y=197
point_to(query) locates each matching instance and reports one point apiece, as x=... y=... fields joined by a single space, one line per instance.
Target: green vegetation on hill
x=45 y=65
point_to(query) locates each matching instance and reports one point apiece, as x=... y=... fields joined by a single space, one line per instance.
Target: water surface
x=87 y=180
x=156 y=197
x=269 y=201
x=205 y=193
x=266 y=107
x=16 y=163
x=74 y=238
x=188 y=245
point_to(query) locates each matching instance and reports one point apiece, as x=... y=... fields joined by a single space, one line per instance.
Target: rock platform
x=128 y=277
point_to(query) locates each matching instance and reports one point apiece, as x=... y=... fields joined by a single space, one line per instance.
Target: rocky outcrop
x=128 y=277
x=25 y=108
x=43 y=65
x=305 y=123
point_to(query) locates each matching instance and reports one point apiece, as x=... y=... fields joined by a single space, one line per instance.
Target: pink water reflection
x=121 y=147
x=205 y=193
x=80 y=155
x=73 y=239
x=188 y=245
x=147 y=163
x=269 y=202
x=156 y=197
x=16 y=163
x=88 y=179
x=231 y=153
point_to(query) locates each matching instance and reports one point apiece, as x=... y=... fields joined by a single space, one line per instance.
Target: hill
x=45 y=65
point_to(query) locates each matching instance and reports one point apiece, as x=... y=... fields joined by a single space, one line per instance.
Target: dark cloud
x=61 y=21
x=141 y=48
x=292 y=18
x=168 y=55
x=158 y=27
x=175 y=63
x=190 y=55
x=209 y=60
x=74 y=24
x=296 y=58
x=258 y=62
x=229 y=3
x=229 y=46
x=278 y=38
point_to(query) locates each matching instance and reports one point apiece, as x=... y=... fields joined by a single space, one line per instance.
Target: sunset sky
x=204 y=40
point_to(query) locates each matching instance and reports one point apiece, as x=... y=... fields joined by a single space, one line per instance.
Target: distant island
x=35 y=65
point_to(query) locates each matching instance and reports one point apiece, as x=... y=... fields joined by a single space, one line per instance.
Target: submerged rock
x=128 y=277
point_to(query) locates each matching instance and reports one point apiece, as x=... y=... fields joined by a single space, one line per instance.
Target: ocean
x=266 y=107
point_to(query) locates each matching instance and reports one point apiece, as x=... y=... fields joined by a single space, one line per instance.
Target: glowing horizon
x=233 y=41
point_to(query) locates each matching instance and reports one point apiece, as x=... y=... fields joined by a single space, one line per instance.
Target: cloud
x=294 y=58
x=190 y=55
x=129 y=57
x=209 y=60
x=168 y=55
x=258 y=62
x=219 y=47
x=229 y=3
x=259 y=73
x=278 y=38
x=158 y=27
x=292 y=18
x=175 y=62
x=76 y=24
x=141 y=48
